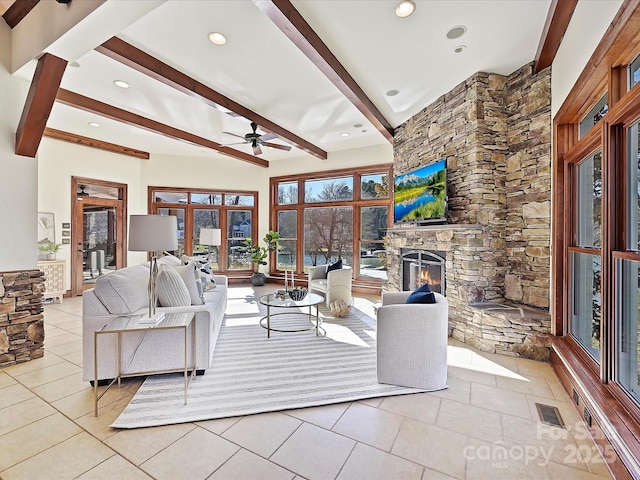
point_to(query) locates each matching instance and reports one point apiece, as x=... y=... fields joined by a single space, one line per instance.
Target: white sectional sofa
x=124 y=292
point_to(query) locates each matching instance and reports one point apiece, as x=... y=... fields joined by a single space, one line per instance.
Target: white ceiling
x=262 y=70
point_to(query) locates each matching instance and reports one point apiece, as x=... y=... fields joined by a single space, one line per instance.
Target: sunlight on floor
x=470 y=360
x=342 y=334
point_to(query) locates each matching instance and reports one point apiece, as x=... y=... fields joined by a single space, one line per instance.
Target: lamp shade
x=153 y=233
x=210 y=236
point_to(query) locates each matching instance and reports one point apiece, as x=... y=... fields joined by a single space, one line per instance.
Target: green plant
x=258 y=253
x=49 y=247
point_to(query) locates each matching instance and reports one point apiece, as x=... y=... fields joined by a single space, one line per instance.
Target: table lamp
x=211 y=237
x=153 y=234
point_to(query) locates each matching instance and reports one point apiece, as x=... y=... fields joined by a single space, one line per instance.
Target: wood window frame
x=222 y=208
x=300 y=206
x=614 y=412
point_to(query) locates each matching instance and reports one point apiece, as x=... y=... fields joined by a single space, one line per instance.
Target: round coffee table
x=311 y=300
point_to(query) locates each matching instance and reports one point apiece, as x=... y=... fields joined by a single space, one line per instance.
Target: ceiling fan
x=256 y=140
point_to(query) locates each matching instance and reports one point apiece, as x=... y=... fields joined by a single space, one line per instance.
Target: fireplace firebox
x=423 y=266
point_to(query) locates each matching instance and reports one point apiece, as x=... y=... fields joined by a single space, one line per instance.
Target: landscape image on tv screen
x=420 y=195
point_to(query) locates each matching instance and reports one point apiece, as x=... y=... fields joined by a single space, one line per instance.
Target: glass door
x=97 y=232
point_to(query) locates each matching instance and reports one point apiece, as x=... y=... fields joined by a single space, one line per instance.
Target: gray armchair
x=336 y=285
x=412 y=342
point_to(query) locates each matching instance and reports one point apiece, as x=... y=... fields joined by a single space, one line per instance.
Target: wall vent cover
x=549 y=415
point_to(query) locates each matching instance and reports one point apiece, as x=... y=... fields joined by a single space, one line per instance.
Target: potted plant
x=259 y=254
x=50 y=248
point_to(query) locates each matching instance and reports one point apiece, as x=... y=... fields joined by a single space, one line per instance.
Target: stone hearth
x=495 y=133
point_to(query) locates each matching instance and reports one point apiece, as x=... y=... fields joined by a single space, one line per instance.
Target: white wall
x=58 y=161
x=588 y=24
x=18 y=175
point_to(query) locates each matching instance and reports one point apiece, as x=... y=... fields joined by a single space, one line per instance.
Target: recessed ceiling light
x=345 y=134
x=460 y=48
x=121 y=83
x=405 y=8
x=393 y=93
x=95 y=124
x=217 y=38
x=456 y=32
x=74 y=64
x=357 y=125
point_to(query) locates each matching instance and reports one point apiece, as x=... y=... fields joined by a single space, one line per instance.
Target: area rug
x=251 y=373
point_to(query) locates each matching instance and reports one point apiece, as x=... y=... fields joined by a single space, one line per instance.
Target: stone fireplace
x=495 y=133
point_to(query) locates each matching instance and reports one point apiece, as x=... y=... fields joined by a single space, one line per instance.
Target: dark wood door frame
x=77 y=227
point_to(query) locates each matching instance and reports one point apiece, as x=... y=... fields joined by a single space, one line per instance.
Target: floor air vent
x=549 y=415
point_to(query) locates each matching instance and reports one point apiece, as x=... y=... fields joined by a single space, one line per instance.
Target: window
x=328 y=190
x=586 y=307
x=596 y=249
x=634 y=72
x=589 y=200
x=627 y=320
x=343 y=214
x=234 y=213
x=595 y=115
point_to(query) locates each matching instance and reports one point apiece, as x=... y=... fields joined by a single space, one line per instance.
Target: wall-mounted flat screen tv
x=421 y=194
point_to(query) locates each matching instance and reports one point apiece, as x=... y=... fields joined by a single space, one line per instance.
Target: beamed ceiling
x=315 y=76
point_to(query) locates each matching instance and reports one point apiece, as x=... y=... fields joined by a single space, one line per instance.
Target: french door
x=98 y=231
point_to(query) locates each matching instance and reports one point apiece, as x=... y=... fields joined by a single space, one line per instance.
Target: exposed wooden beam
x=141 y=61
x=94 y=143
x=94 y=106
x=37 y=108
x=558 y=17
x=284 y=15
x=17 y=11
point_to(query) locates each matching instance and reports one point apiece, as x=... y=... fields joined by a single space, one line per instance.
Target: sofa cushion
x=422 y=295
x=169 y=260
x=124 y=291
x=171 y=289
x=189 y=276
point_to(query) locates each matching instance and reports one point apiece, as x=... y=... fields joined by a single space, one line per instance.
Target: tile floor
x=484 y=426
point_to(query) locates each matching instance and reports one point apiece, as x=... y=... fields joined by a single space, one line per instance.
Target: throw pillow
x=334 y=266
x=422 y=295
x=171 y=289
x=191 y=278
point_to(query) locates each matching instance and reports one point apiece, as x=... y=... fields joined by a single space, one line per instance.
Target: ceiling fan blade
x=229 y=133
x=229 y=144
x=268 y=136
x=279 y=147
x=257 y=150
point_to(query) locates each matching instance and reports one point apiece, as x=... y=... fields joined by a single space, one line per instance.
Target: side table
x=127 y=324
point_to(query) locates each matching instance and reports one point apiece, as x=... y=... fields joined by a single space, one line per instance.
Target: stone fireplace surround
x=495 y=133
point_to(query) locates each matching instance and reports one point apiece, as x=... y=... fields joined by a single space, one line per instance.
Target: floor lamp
x=153 y=234
x=211 y=237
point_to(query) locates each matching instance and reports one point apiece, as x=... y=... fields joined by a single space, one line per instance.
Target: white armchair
x=336 y=285
x=412 y=342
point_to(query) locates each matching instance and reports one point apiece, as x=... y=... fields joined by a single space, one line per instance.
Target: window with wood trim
x=235 y=213
x=597 y=204
x=339 y=214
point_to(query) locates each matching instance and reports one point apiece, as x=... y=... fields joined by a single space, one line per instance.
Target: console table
x=54 y=272
x=127 y=324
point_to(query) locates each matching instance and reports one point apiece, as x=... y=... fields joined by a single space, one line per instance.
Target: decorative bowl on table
x=297 y=293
